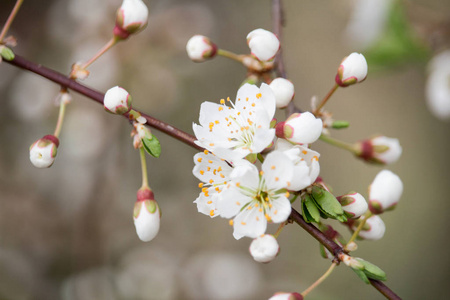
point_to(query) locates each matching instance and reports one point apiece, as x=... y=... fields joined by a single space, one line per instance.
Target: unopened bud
x=6 y=53
x=264 y=248
x=354 y=205
x=283 y=90
x=43 y=151
x=199 y=48
x=385 y=192
x=353 y=69
x=286 y=296
x=131 y=17
x=117 y=101
x=380 y=149
x=146 y=215
x=263 y=44
x=373 y=229
x=300 y=128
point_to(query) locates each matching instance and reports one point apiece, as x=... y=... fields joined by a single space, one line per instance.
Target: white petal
x=386 y=189
x=147 y=223
x=250 y=223
x=281 y=209
x=278 y=170
x=208 y=204
x=231 y=202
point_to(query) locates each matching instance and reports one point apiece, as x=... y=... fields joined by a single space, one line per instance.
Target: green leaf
x=327 y=203
x=340 y=124
x=361 y=275
x=305 y=213
x=152 y=146
x=312 y=209
x=6 y=53
x=371 y=270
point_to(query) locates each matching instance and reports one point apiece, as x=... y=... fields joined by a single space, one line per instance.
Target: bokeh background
x=67 y=232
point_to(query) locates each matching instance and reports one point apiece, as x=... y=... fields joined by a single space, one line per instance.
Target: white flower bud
x=354 y=205
x=283 y=90
x=385 y=191
x=199 y=48
x=264 y=248
x=146 y=215
x=286 y=296
x=117 y=101
x=380 y=149
x=300 y=128
x=263 y=44
x=353 y=69
x=373 y=229
x=131 y=17
x=43 y=151
x=437 y=87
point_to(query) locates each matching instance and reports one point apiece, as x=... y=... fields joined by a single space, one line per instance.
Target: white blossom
x=300 y=128
x=385 y=191
x=306 y=164
x=263 y=44
x=353 y=204
x=233 y=132
x=353 y=69
x=117 y=101
x=43 y=151
x=283 y=90
x=264 y=248
x=199 y=48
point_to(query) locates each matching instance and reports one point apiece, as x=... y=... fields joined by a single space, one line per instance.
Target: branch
x=97 y=96
x=186 y=138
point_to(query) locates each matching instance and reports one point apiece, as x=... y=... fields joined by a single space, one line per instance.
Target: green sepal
x=340 y=124
x=327 y=203
x=323 y=253
x=252 y=157
x=152 y=146
x=371 y=270
x=310 y=210
x=6 y=53
x=361 y=275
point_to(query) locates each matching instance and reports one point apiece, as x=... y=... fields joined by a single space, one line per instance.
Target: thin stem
x=62 y=112
x=320 y=280
x=347 y=146
x=10 y=19
x=231 y=55
x=144 y=168
x=316 y=112
x=280 y=228
x=367 y=215
x=102 y=51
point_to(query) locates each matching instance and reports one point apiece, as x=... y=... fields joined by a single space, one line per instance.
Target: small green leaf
x=6 y=53
x=312 y=209
x=340 y=124
x=305 y=213
x=371 y=270
x=361 y=275
x=327 y=203
x=152 y=146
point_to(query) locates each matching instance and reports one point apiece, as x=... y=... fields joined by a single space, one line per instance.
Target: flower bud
x=437 y=89
x=264 y=248
x=300 y=128
x=353 y=69
x=384 y=192
x=380 y=149
x=146 y=215
x=283 y=90
x=199 y=48
x=117 y=101
x=263 y=44
x=43 y=151
x=286 y=296
x=131 y=17
x=354 y=205
x=373 y=229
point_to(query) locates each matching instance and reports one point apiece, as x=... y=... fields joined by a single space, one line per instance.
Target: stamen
x=258 y=95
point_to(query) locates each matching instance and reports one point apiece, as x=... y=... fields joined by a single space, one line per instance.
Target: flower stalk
x=10 y=19
x=320 y=280
x=144 y=169
x=62 y=112
x=364 y=218
x=230 y=55
x=102 y=51
x=316 y=111
x=328 y=139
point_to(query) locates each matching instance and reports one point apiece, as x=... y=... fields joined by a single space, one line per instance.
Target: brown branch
x=186 y=138
x=97 y=96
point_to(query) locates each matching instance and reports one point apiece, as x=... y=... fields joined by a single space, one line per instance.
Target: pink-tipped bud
x=353 y=69
x=286 y=296
x=43 y=151
x=354 y=205
x=385 y=192
x=131 y=17
x=300 y=128
x=199 y=48
x=283 y=90
x=117 y=101
x=263 y=44
x=264 y=248
x=380 y=149
x=146 y=215
x=373 y=229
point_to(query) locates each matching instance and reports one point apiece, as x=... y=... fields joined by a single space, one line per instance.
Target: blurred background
x=67 y=232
